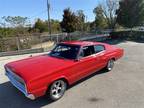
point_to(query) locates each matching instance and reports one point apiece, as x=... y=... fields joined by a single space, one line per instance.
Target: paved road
x=123 y=87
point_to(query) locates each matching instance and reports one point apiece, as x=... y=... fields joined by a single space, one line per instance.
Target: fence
x=40 y=41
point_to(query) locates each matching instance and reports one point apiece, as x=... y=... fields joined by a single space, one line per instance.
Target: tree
x=55 y=25
x=69 y=21
x=92 y=26
x=16 y=21
x=41 y=26
x=110 y=12
x=80 y=20
x=87 y=27
x=130 y=13
x=100 y=20
x=108 y=9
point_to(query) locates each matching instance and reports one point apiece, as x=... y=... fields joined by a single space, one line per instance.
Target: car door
x=100 y=54
x=86 y=64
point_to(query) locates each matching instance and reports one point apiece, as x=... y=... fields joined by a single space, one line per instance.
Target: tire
x=110 y=65
x=57 y=90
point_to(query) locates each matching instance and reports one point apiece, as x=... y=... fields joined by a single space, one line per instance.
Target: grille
x=16 y=81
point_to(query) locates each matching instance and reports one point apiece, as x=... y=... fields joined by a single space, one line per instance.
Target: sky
x=34 y=9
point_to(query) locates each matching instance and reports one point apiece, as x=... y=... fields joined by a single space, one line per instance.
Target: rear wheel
x=57 y=90
x=110 y=65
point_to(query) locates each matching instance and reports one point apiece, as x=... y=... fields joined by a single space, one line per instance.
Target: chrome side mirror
x=77 y=59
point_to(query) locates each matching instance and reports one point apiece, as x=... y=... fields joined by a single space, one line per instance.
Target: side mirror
x=77 y=59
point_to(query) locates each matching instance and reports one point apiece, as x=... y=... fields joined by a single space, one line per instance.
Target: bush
x=128 y=35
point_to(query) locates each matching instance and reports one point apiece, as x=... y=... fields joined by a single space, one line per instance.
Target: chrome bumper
x=17 y=84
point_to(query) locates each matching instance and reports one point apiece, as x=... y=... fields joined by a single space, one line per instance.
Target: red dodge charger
x=67 y=63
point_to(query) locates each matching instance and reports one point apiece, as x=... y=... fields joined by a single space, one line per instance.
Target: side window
x=87 y=51
x=99 y=48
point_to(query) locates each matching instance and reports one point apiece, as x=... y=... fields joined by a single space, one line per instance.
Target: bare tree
x=16 y=21
x=109 y=8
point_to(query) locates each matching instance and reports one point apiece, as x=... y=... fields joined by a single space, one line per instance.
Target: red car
x=67 y=63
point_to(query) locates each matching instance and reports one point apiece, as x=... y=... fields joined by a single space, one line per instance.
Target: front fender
x=40 y=86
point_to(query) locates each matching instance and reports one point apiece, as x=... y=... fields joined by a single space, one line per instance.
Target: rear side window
x=99 y=48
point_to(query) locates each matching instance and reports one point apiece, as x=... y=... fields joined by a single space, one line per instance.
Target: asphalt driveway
x=123 y=87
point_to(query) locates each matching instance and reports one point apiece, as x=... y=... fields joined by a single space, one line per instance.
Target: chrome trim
x=31 y=96
x=19 y=83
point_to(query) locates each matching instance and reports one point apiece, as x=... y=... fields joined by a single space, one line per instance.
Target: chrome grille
x=16 y=81
x=15 y=77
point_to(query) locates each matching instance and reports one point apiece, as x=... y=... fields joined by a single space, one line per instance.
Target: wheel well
x=65 y=80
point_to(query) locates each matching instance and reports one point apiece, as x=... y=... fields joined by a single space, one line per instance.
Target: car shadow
x=103 y=71
x=10 y=97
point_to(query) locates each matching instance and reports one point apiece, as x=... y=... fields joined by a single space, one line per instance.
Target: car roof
x=82 y=43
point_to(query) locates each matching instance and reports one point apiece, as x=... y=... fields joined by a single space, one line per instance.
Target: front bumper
x=17 y=84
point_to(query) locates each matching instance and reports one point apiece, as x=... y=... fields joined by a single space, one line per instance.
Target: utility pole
x=49 y=22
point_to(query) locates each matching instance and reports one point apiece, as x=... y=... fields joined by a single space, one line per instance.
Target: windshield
x=65 y=51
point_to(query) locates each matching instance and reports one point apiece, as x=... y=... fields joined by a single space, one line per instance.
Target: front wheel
x=110 y=65
x=57 y=90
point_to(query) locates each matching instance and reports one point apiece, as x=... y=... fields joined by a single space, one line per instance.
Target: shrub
x=128 y=35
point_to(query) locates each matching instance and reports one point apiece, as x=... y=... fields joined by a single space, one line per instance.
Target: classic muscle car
x=67 y=63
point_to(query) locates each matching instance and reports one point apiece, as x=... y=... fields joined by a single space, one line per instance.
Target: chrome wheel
x=57 y=89
x=110 y=65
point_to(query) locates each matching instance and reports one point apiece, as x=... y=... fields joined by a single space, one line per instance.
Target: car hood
x=34 y=67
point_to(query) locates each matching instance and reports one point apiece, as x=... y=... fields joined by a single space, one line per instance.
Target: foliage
x=4 y=32
x=55 y=25
x=128 y=35
x=41 y=26
x=16 y=26
x=130 y=13
x=87 y=27
x=107 y=10
x=16 y=21
x=74 y=21
x=13 y=25
x=80 y=20
x=69 y=21
x=100 y=20
x=110 y=12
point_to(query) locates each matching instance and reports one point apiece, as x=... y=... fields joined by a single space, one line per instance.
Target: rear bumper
x=19 y=86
